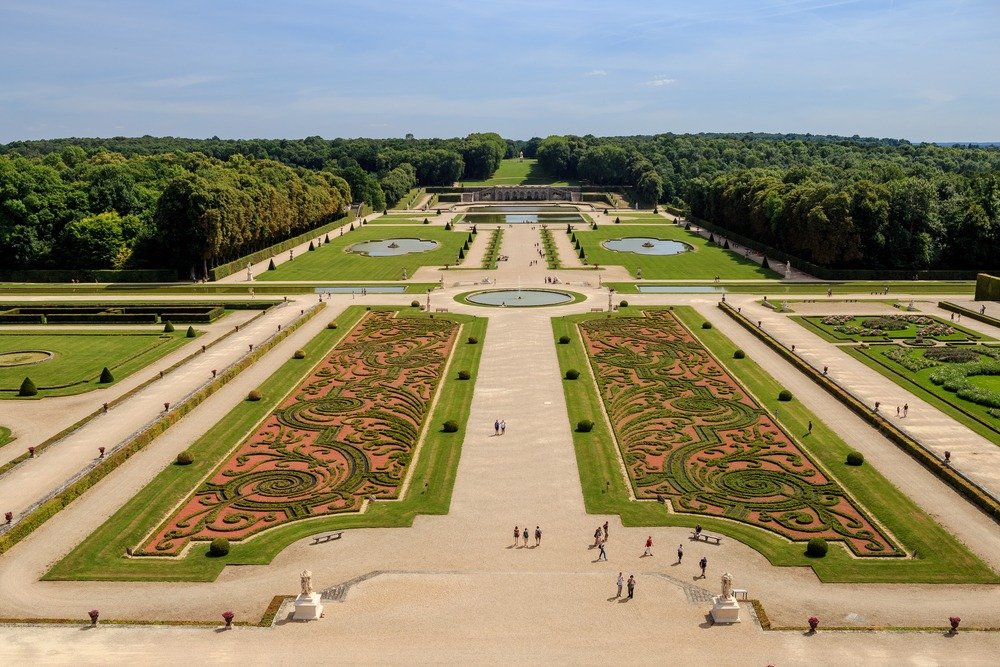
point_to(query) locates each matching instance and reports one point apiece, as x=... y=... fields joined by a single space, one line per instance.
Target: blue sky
x=921 y=70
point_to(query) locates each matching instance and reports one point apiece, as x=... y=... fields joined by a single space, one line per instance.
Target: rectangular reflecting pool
x=523 y=218
x=680 y=289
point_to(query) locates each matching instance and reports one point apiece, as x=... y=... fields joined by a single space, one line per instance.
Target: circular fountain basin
x=392 y=247
x=520 y=298
x=644 y=245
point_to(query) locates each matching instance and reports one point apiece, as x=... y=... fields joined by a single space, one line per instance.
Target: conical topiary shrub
x=168 y=327
x=106 y=376
x=327 y=239
x=447 y=226
x=764 y=264
x=311 y=246
x=461 y=253
x=28 y=388
x=190 y=332
x=271 y=266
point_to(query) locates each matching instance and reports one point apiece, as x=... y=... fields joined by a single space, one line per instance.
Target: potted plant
x=228 y=616
x=954 y=620
x=813 y=624
x=93 y=613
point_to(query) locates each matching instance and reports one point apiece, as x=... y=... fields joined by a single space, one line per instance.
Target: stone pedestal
x=308 y=607
x=725 y=610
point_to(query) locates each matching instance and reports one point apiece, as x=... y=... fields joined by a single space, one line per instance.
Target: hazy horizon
x=875 y=68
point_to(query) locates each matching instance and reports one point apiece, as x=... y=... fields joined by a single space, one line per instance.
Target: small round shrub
x=190 y=332
x=739 y=354
x=817 y=547
x=473 y=340
x=331 y=325
x=106 y=376
x=168 y=327
x=299 y=354
x=623 y=304
x=254 y=395
x=464 y=375
x=784 y=395
x=585 y=426
x=28 y=388
x=218 y=547
x=855 y=459
x=706 y=325
x=450 y=426
x=185 y=458
x=414 y=304
x=572 y=374
x=564 y=340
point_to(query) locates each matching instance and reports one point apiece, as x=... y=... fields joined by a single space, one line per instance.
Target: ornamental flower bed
x=346 y=434
x=688 y=432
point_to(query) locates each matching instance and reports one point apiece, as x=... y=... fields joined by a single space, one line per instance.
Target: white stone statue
x=788 y=269
x=727 y=585
x=725 y=608
x=306 y=581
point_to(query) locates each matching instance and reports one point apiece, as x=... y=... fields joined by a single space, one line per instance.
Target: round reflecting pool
x=519 y=298
x=392 y=247
x=644 y=245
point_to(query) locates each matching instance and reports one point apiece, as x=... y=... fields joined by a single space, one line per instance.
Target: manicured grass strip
x=206 y=289
x=79 y=356
x=493 y=249
x=5 y=436
x=333 y=261
x=938 y=557
x=101 y=555
x=957 y=287
x=840 y=331
x=967 y=413
x=550 y=250
x=705 y=261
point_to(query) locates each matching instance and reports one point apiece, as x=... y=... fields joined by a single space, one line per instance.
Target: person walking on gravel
x=517 y=534
x=525 y=536
x=604 y=554
x=631 y=585
x=649 y=547
x=621 y=582
x=680 y=553
x=703 y=563
x=538 y=536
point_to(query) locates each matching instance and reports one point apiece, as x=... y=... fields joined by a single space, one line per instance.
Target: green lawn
x=4 y=435
x=936 y=555
x=972 y=415
x=411 y=219
x=514 y=172
x=332 y=261
x=704 y=262
x=79 y=356
x=100 y=555
x=958 y=287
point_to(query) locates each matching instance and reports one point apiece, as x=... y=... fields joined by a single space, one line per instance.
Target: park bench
x=597 y=310
x=708 y=537
x=440 y=310
x=740 y=591
x=322 y=539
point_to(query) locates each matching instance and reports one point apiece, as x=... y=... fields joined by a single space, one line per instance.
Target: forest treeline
x=838 y=202
x=834 y=201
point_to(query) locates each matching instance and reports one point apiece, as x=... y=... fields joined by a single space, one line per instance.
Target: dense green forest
x=190 y=204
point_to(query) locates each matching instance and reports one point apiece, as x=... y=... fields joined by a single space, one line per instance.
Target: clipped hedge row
x=987 y=287
x=966 y=488
x=51 y=507
x=967 y=312
x=223 y=270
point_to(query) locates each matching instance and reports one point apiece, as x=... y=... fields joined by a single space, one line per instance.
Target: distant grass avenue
x=516 y=172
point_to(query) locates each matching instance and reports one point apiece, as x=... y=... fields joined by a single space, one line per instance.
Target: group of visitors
x=523 y=534
x=499 y=427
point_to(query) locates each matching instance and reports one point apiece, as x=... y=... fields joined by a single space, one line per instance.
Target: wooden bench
x=440 y=310
x=708 y=537
x=597 y=310
x=322 y=539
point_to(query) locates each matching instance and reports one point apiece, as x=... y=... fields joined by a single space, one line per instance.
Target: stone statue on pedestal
x=726 y=609
x=727 y=585
x=308 y=604
x=305 y=580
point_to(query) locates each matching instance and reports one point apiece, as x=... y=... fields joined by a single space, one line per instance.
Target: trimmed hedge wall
x=987 y=287
x=89 y=276
x=223 y=270
x=970 y=491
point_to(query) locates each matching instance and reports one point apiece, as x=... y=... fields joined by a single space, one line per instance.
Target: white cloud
x=659 y=80
x=596 y=72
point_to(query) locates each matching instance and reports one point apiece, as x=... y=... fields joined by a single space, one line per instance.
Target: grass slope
x=515 y=172
x=100 y=555
x=705 y=262
x=331 y=261
x=960 y=287
x=80 y=356
x=939 y=557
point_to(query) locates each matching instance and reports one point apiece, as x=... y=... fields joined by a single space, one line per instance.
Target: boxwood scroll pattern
x=346 y=434
x=689 y=433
